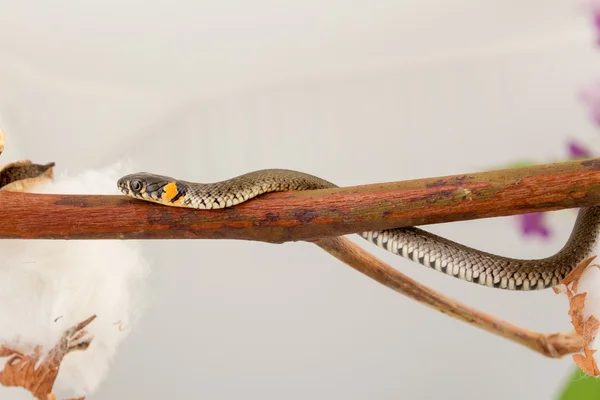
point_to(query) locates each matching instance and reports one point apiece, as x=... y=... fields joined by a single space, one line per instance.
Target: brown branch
x=308 y=215
x=553 y=345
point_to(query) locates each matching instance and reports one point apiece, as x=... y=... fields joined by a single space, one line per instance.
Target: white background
x=356 y=92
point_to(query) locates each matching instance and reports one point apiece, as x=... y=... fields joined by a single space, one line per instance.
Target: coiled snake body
x=425 y=248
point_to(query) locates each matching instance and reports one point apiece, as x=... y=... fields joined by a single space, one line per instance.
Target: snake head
x=133 y=184
x=145 y=186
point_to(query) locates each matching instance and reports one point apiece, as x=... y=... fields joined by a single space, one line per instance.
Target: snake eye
x=135 y=185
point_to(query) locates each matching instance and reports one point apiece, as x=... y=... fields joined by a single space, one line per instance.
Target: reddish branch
x=308 y=215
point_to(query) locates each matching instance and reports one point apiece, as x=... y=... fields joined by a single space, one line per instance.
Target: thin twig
x=308 y=215
x=553 y=345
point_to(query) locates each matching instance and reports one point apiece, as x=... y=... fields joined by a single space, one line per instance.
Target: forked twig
x=553 y=345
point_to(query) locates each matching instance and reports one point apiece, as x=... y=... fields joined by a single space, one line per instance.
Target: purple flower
x=533 y=224
x=593 y=7
x=596 y=17
x=578 y=151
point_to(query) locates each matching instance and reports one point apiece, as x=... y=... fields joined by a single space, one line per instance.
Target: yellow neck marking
x=169 y=191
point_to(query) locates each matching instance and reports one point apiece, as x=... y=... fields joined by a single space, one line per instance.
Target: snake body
x=415 y=244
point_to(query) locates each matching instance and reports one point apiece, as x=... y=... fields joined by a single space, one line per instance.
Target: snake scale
x=415 y=244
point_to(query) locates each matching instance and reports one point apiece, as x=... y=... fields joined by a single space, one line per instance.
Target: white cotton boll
x=103 y=181
x=48 y=286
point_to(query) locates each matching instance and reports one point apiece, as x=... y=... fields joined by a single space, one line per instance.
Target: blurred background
x=355 y=92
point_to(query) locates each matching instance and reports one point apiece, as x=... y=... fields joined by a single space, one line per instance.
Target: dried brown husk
x=21 y=176
x=586 y=327
x=37 y=370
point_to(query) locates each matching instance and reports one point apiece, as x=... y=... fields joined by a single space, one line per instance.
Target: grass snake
x=415 y=244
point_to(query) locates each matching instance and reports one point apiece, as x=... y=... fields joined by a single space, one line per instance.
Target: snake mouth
x=122 y=186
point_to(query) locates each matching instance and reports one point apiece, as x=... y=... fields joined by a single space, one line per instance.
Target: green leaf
x=581 y=387
x=514 y=164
